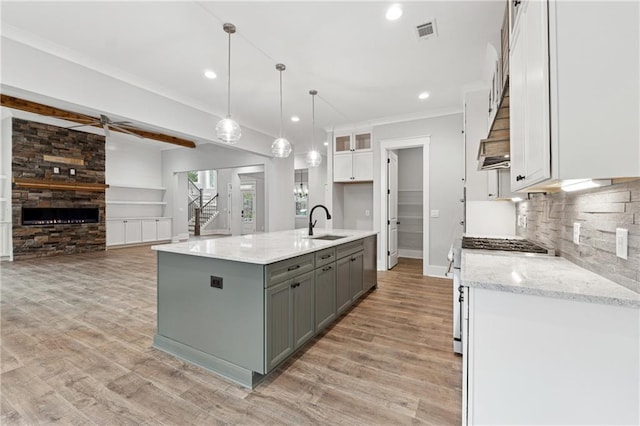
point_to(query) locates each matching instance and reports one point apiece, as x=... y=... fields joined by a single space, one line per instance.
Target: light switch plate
x=435 y=213
x=576 y=233
x=622 y=243
x=522 y=221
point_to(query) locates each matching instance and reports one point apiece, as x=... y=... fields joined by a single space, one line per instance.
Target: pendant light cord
x=313 y=122
x=229 y=79
x=281 y=122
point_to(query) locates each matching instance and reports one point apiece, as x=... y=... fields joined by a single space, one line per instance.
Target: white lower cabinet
x=540 y=360
x=135 y=231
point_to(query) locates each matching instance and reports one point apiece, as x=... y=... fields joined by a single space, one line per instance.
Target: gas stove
x=504 y=244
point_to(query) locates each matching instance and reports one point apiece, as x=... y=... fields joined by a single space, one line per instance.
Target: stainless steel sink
x=328 y=237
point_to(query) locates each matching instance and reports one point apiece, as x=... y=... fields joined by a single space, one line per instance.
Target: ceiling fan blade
x=91 y=123
x=123 y=130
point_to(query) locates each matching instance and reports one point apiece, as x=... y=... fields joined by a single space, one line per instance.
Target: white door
x=248 y=208
x=392 y=209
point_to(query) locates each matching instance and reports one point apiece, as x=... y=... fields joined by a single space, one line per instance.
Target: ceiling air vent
x=427 y=30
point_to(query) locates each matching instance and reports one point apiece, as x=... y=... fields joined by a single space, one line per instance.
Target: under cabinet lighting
x=580 y=184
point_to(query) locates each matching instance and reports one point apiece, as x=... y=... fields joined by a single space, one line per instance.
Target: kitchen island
x=547 y=342
x=239 y=306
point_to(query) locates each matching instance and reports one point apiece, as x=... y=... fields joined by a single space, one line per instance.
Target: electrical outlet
x=522 y=221
x=367 y=213
x=435 y=213
x=576 y=233
x=622 y=243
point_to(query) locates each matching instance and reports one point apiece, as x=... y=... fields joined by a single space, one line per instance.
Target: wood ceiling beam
x=46 y=110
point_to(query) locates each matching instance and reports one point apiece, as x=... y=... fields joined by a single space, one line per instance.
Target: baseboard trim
x=437 y=271
x=411 y=254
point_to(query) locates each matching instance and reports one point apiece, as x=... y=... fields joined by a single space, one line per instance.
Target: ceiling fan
x=107 y=123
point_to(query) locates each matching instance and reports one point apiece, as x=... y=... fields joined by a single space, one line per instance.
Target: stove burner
x=502 y=244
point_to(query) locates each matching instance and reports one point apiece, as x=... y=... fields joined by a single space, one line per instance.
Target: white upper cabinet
x=574 y=91
x=353 y=157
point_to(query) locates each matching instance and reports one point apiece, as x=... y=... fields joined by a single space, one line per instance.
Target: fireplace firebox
x=59 y=215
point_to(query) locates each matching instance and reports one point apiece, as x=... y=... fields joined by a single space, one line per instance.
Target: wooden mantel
x=46 y=110
x=59 y=186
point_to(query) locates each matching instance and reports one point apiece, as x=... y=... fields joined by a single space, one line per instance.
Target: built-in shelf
x=4 y=199
x=410 y=217
x=131 y=202
x=409 y=203
x=151 y=188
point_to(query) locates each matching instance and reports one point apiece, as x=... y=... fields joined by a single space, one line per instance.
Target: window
x=301 y=191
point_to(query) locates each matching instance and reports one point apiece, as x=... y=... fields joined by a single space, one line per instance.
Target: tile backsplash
x=550 y=219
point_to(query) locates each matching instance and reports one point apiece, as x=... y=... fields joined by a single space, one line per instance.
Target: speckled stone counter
x=264 y=248
x=542 y=276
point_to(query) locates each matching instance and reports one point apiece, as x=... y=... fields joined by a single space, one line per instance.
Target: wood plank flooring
x=76 y=349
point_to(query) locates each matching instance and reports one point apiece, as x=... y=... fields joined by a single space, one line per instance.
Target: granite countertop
x=263 y=248
x=542 y=276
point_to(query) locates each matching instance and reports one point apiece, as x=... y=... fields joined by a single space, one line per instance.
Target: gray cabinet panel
x=279 y=327
x=349 y=248
x=355 y=275
x=280 y=271
x=303 y=309
x=325 y=296
x=370 y=278
x=343 y=295
x=227 y=322
x=324 y=257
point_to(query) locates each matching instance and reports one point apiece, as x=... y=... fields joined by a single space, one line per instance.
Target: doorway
x=385 y=147
x=248 y=191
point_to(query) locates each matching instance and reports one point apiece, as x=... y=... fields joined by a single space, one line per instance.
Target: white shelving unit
x=410 y=218
x=135 y=215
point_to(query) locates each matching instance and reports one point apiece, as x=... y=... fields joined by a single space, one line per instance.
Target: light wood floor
x=76 y=349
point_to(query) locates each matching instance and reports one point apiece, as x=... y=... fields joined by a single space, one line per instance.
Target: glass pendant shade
x=228 y=130
x=314 y=159
x=281 y=148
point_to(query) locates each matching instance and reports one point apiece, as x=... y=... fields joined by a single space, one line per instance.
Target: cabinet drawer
x=349 y=248
x=325 y=256
x=279 y=271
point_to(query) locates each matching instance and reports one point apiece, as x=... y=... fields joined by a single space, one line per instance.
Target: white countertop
x=263 y=248
x=542 y=276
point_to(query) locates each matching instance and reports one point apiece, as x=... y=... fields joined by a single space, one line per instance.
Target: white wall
x=131 y=162
x=409 y=169
x=445 y=176
x=357 y=201
x=476 y=128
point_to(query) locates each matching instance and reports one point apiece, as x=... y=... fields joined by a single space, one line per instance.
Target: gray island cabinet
x=239 y=306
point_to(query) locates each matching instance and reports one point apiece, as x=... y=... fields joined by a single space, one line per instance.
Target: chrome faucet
x=312 y=224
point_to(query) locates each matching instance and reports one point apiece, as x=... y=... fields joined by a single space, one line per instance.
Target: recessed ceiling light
x=423 y=95
x=210 y=74
x=295 y=118
x=326 y=144
x=394 y=12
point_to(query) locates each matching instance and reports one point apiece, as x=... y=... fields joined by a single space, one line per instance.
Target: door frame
x=393 y=144
x=390 y=224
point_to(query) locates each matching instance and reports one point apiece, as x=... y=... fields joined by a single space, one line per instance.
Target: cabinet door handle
x=328 y=268
x=516 y=3
x=294 y=285
x=326 y=256
x=519 y=178
x=353 y=259
x=293 y=268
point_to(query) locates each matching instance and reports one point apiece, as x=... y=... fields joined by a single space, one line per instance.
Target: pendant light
x=281 y=148
x=314 y=158
x=228 y=130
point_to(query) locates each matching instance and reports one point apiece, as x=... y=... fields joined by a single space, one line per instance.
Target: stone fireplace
x=58 y=199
